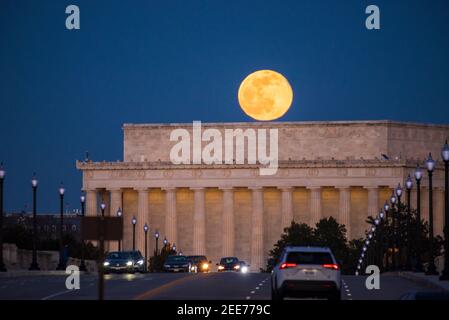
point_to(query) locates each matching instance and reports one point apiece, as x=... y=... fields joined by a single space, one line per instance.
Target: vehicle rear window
x=309 y=258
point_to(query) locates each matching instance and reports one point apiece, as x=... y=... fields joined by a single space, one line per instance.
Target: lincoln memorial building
x=341 y=169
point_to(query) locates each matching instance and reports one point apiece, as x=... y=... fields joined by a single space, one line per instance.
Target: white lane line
x=248 y=297
x=261 y=284
x=253 y=292
x=56 y=294
x=257 y=288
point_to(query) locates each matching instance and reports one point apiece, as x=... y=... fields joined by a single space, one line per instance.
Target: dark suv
x=199 y=263
x=229 y=264
x=124 y=261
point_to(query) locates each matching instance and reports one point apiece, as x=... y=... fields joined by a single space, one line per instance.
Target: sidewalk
x=428 y=281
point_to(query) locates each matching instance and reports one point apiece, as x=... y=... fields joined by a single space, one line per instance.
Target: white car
x=306 y=272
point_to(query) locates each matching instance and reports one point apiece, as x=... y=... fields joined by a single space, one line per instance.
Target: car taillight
x=288 y=265
x=332 y=266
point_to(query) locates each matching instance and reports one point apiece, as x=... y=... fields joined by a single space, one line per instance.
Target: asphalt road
x=168 y=286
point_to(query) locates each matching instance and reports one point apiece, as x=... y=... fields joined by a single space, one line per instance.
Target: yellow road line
x=152 y=292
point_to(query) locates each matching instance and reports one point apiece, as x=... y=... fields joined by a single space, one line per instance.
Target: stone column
x=257 y=250
x=373 y=201
x=315 y=205
x=116 y=203
x=142 y=218
x=228 y=222
x=344 y=209
x=287 y=207
x=199 y=222
x=91 y=201
x=170 y=215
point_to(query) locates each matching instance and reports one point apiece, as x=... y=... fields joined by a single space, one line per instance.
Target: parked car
x=306 y=272
x=176 y=263
x=124 y=261
x=199 y=263
x=228 y=264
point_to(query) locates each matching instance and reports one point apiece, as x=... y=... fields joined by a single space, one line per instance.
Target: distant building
x=47 y=224
x=344 y=169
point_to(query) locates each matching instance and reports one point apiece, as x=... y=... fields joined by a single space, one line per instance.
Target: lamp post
x=83 y=210
x=119 y=214
x=399 y=240
x=408 y=258
x=445 y=155
x=145 y=230
x=2 y=178
x=388 y=240
x=34 y=265
x=430 y=165
x=165 y=242
x=133 y=222
x=174 y=248
x=393 y=201
x=381 y=238
x=62 y=263
x=156 y=236
x=101 y=254
x=418 y=176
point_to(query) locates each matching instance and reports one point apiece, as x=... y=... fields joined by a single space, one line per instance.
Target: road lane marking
x=152 y=292
x=253 y=292
x=248 y=297
x=56 y=294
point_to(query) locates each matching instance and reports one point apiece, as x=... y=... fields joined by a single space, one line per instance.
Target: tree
x=298 y=234
x=327 y=233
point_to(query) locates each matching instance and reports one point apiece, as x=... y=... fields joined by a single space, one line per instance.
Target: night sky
x=64 y=92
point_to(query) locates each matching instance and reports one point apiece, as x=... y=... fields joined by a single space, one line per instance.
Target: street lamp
x=388 y=240
x=408 y=186
x=445 y=156
x=119 y=214
x=82 y=264
x=101 y=254
x=399 y=242
x=2 y=178
x=145 y=229
x=156 y=236
x=393 y=201
x=165 y=241
x=62 y=263
x=430 y=165
x=418 y=176
x=34 y=265
x=174 y=247
x=133 y=222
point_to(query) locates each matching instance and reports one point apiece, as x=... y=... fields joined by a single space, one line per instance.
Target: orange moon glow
x=265 y=95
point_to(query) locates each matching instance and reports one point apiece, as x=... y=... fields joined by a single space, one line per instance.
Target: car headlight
x=205 y=266
x=236 y=267
x=244 y=269
x=129 y=263
x=140 y=262
x=106 y=263
x=166 y=266
x=220 y=267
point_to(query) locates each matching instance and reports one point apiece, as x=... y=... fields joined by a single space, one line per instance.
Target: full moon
x=265 y=95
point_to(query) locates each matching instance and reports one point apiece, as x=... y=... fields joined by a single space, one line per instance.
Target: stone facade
x=325 y=169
